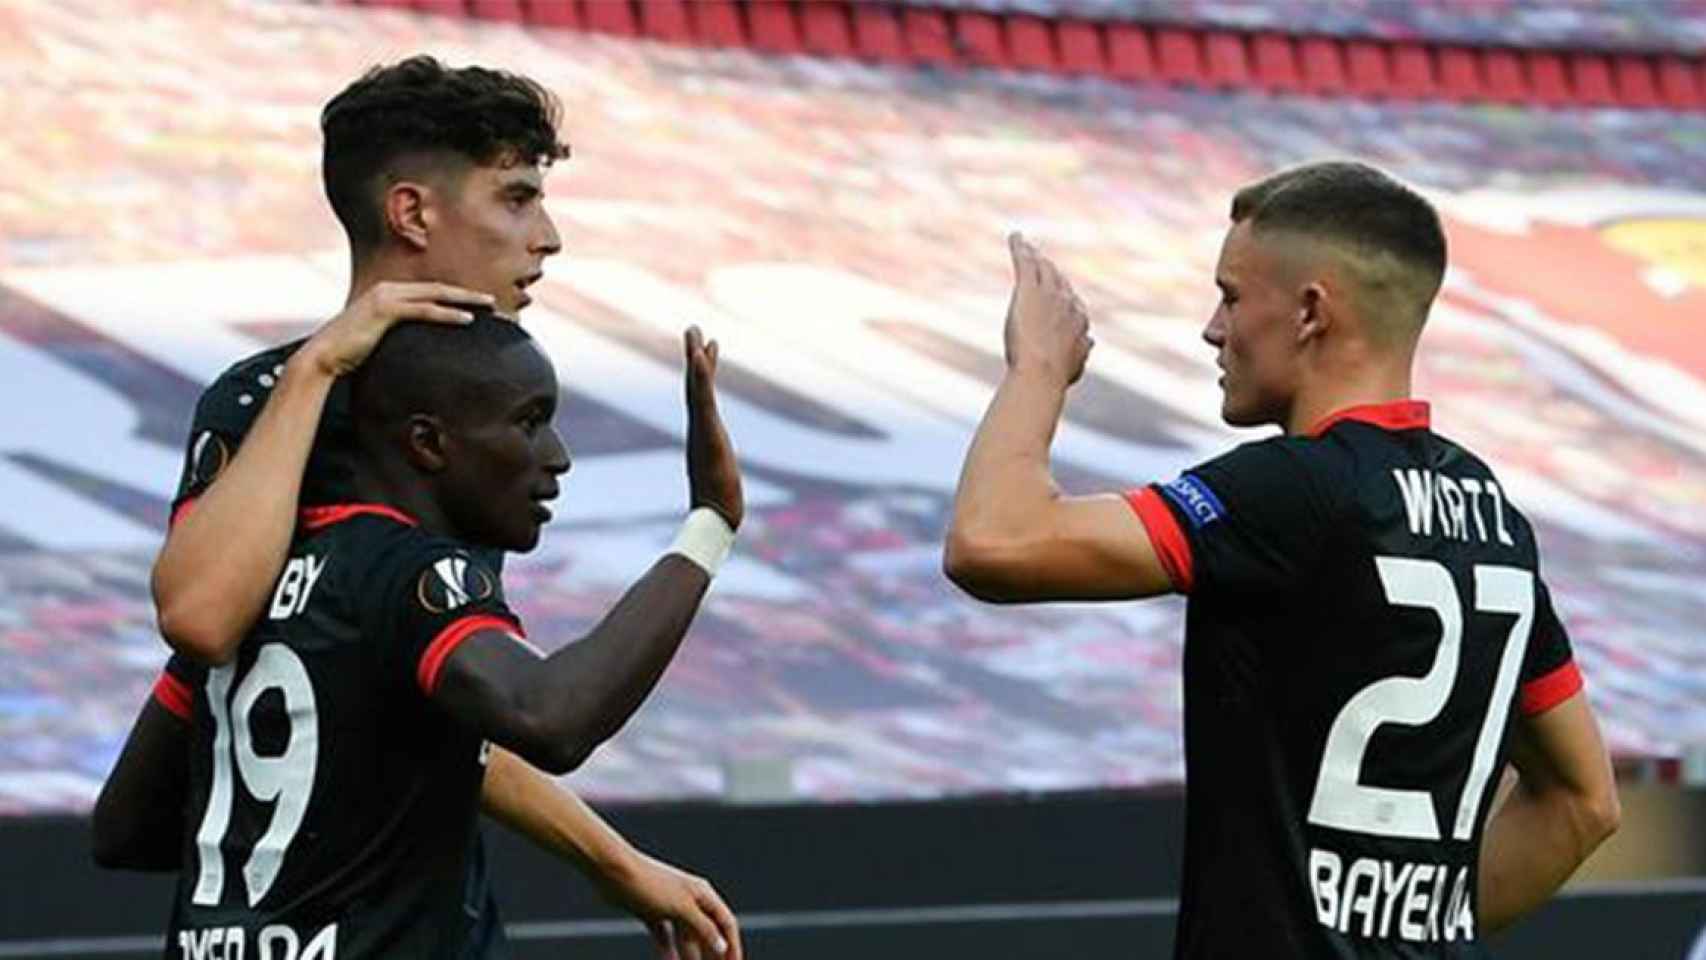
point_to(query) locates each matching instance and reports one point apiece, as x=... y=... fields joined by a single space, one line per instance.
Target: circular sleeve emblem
x=208 y=458
x=452 y=582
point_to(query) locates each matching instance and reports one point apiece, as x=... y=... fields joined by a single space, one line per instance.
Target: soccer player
x=1367 y=637
x=437 y=177
x=335 y=764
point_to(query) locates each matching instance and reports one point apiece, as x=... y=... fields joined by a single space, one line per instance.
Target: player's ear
x=408 y=212
x=424 y=443
x=1313 y=316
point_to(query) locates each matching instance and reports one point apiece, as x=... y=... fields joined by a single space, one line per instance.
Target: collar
x=315 y=518
x=1395 y=415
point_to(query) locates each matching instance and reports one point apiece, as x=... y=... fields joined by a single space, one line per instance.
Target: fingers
x=724 y=918
x=447 y=292
x=664 y=938
x=703 y=932
x=435 y=313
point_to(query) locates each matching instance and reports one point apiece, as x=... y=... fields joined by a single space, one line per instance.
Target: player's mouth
x=541 y=512
x=522 y=285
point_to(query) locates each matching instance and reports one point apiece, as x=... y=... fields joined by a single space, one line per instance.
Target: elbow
x=1600 y=816
x=194 y=635
x=973 y=564
x=557 y=748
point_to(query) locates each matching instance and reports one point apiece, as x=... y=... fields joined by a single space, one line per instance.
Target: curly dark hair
x=420 y=108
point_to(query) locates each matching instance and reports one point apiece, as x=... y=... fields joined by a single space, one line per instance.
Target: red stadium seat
x=877 y=35
x=509 y=11
x=1030 y=43
x=825 y=29
x=1413 y=72
x=1228 y=60
x=553 y=13
x=1548 y=83
x=1679 y=88
x=1129 y=55
x=666 y=20
x=1179 y=55
x=717 y=23
x=1460 y=74
x=611 y=16
x=774 y=27
x=1081 y=49
x=1590 y=78
x=1636 y=86
x=1276 y=64
x=978 y=36
x=1506 y=79
x=1323 y=66
x=1368 y=70
x=927 y=37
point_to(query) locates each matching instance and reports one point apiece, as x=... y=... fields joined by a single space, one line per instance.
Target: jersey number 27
x=1340 y=800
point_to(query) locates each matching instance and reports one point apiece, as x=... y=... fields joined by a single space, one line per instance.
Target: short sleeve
x=1549 y=672
x=438 y=595
x=175 y=687
x=220 y=423
x=1252 y=521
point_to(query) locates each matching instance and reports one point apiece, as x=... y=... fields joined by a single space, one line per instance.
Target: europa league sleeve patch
x=452 y=582
x=208 y=457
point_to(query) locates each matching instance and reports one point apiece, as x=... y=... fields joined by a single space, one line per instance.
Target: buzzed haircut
x=1391 y=232
x=420 y=111
x=431 y=368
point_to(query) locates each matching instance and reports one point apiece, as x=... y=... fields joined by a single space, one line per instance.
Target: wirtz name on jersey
x=1453 y=502
x=1384 y=898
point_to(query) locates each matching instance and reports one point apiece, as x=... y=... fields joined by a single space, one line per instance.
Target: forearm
x=212 y=577
x=552 y=816
x=138 y=820
x=1006 y=474
x=1533 y=843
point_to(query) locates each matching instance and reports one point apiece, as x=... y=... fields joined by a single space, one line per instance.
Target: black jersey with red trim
x=332 y=807
x=1365 y=612
x=227 y=409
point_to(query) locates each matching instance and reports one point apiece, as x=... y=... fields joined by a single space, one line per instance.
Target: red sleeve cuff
x=451 y=637
x=180 y=511
x=1165 y=535
x=1543 y=693
x=174 y=695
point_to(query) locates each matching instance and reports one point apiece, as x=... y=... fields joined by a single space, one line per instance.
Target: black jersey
x=228 y=408
x=332 y=807
x=224 y=414
x=1365 y=611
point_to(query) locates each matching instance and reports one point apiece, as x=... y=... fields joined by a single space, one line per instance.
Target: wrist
x=1038 y=372
x=705 y=539
x=309 y=363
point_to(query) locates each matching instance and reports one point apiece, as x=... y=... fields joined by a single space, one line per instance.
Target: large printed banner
x=840 y=231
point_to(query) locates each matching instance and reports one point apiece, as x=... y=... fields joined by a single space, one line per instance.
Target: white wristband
x=705 y=539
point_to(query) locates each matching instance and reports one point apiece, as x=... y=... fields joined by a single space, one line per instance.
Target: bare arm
x=555 y=711
x=138 y=823
x=673 y=904
x=1562 y=807
x=1014 y=537
x=219 y=561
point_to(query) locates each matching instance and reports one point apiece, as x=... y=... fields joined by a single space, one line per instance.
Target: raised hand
x=1048 y=327
x=346 y=340
x=713 y=473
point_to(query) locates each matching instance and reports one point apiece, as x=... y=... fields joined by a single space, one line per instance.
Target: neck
x=397 y=486
x=379 y=267
x=1362 y=380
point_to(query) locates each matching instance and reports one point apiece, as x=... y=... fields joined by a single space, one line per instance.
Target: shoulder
x=440 y=573
x=241 y=390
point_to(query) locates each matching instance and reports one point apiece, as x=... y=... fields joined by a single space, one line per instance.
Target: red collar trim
x=1396 y=415
x=314 y=518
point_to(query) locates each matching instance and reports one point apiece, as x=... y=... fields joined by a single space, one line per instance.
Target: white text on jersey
x=1454 y=502
x=1381 y=898
x=300 y=575
x=276 y=942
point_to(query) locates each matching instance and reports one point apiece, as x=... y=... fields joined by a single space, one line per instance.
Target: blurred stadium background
x=864 y=761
